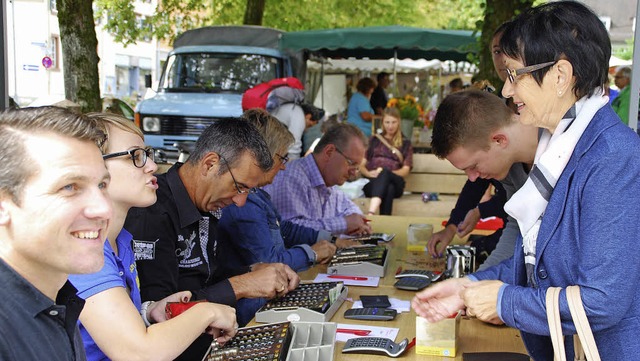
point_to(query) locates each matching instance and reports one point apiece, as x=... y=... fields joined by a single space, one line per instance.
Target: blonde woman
x=387 y=162
x=114 y=324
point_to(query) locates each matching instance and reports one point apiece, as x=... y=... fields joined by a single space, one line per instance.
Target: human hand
x=440 y=240
x=156 y=313
x=469 y=223
x=481 y=299
x=357 y=224
x=375 y=172
x=224 y=325
x=441 y=300
x=265 y=280
x=324 y=251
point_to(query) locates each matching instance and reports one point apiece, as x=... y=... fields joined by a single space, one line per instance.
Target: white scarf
x=528 y=204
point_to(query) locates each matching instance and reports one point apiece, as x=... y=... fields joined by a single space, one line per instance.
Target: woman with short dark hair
x=577 y=212
x=359 y=111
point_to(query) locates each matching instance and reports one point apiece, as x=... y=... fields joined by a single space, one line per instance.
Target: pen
x=355 y=332
x=354 y=278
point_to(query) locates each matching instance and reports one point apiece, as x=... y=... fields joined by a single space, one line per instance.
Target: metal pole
x=4 y=96
x=635 y=78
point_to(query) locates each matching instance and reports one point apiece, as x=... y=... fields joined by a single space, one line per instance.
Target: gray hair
x=230 y=138
x=339 y=135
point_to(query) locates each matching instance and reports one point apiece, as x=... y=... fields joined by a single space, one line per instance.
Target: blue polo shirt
x=118 y=271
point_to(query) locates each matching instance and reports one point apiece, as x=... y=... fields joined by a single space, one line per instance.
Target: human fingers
x=293 y=279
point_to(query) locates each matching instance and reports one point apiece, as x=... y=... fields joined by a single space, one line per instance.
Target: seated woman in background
x=387 y=162
x=114 y=324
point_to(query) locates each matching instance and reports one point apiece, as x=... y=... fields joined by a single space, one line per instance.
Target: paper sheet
x=396 y=304
x=387 y=332
x=369 y=282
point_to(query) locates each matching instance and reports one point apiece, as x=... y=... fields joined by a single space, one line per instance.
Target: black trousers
x=387 y=185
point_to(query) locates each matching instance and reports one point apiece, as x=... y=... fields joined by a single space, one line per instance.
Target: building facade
x=35 y=61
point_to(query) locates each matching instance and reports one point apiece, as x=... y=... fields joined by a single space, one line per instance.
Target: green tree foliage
x=496 y=12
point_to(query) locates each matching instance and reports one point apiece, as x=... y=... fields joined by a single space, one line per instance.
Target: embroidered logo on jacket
x=184 y=252
x=144 y=250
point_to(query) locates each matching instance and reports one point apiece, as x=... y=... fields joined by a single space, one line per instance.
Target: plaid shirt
x=301 y=196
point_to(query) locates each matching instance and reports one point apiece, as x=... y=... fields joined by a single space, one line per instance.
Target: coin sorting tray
x=310 y=302
x=364 y=261
x=286 y=341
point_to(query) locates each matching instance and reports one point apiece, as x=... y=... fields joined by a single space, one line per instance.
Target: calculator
x=371 y=314
x=416 y=273
x=412 y=283
x=378 y=345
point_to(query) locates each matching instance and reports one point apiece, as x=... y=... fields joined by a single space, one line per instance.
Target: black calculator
x=412 y=283
x=378 y=345
x=371 y=314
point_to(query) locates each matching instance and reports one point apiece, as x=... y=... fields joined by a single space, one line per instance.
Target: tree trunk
x=496 y=12
x=80 y=54
x=254 y=12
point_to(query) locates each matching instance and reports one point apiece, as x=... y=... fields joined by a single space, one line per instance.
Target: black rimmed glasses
x=352 y=164
x=512 y=74
x=241 y=189
x=283 y=160
x=138 y=156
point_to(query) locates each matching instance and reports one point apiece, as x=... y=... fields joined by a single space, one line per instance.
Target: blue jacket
x=588 y=237
x=256 y=233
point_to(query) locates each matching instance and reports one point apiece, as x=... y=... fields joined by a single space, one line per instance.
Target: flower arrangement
x=408 y=108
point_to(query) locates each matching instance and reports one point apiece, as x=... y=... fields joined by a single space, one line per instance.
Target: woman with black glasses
x=114 y=323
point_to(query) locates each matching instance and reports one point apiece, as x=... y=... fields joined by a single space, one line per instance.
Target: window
x=54 y=52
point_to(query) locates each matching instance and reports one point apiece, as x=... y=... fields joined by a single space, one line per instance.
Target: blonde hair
x=275 y=134
x=397 y=138
x=104 y=120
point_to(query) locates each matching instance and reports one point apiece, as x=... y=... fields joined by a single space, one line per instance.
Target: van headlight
x=151 y=124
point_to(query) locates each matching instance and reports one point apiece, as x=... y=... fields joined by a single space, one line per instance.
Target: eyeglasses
x=283 y=160
x=139 y=156
x=241 y=189
x=352 y=164
x=513 y=74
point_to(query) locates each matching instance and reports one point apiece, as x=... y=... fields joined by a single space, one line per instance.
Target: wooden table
x=474 y=335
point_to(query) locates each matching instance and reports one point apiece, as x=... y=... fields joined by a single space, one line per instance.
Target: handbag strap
x=584 y=343
x=393 y=149
x=555 y=325
x=582 y=324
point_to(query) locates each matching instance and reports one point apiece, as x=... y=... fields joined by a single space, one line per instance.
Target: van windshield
x=217 y=72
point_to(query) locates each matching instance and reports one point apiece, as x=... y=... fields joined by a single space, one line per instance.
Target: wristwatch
x=334 y=239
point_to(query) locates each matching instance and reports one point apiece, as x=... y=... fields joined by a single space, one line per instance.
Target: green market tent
x=383 y=42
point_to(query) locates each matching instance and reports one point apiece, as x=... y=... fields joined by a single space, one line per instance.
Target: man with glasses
x=176 y=239
x=305 y=192
x=54 y=214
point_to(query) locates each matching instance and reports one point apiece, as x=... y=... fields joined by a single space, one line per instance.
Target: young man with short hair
x=54 y=214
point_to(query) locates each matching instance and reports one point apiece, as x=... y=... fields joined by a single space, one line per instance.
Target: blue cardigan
x=587 y=237
x=256 y=233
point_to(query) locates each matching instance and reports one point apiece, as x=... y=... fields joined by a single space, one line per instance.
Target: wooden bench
x=429 y=174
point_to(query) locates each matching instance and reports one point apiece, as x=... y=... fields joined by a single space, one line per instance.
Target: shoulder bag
x=393 y=149
x=583 y=343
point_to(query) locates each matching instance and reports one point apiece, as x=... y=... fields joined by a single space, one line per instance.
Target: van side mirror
x=147 y=80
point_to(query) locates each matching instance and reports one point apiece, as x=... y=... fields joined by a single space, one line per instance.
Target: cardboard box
x=439 y=338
